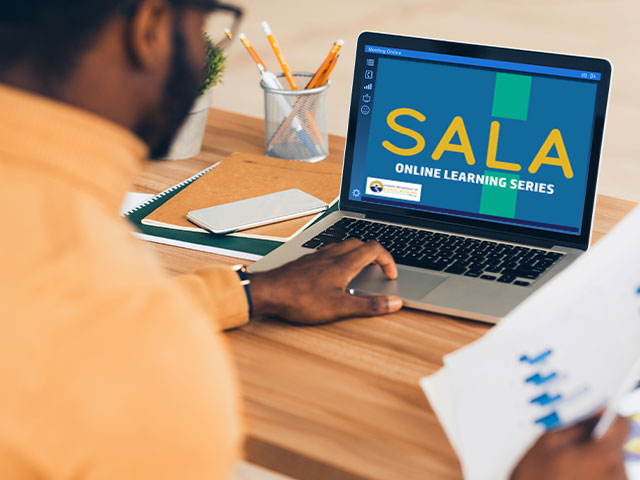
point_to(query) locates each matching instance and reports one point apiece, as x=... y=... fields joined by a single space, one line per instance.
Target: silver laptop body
x=421 y=105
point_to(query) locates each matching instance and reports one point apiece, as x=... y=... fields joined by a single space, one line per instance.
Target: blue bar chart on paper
x=546 y=399
x=548 y=387
x=550 y=421
x=536 y=359
x=539 y=379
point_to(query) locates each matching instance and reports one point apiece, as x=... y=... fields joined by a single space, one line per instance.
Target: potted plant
x=188 y=141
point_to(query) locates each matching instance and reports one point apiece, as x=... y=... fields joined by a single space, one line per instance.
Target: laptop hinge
x=354 y=214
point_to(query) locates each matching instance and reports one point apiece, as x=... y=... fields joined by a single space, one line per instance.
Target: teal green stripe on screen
x=511 y=96
x=497 y=201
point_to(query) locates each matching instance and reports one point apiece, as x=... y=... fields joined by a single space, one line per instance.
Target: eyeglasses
x=224 y=16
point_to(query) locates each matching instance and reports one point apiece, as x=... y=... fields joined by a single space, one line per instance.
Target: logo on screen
x=376 y=187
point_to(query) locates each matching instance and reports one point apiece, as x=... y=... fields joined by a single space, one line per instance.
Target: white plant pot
x=188 y=141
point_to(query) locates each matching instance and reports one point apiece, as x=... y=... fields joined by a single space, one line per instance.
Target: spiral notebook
x=251 y=247
x=243 y=176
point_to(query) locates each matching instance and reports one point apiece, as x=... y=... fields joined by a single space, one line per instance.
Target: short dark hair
x=49 y=35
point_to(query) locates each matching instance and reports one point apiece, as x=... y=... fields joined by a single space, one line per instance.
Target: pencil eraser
x=340 y=42
x=241 y=36
x=266 y=28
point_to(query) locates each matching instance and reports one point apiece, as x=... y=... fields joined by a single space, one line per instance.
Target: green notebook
x=245 y=248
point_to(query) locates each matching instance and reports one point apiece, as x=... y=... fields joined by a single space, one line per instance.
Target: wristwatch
x=241 y=270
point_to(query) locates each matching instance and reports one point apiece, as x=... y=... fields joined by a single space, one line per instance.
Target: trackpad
x=410 y=284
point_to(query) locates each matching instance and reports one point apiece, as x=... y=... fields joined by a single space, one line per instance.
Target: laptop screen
x=476 y=138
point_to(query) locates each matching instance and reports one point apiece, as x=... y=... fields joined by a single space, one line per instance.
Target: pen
x=610 y=414
x=605 y=422
x=315 y=81
x=276 y=49
x=252 y=51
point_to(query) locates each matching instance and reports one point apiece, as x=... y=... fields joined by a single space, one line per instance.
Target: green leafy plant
x=214 y=67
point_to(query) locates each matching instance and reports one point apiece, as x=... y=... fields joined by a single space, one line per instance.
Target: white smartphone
x=253 y=212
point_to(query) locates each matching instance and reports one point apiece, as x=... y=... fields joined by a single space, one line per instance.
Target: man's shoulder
x=62 y=233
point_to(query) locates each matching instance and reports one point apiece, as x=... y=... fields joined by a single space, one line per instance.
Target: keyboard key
x=413 y=261
x=473 y=273
x=478 y=265
x=529 y=274
x=506 y=278
x=493 y=270
x=456 y=269
x=436 y=266
x=521 y=284
x=326 y=238
x=447 y=257
x=544 y=265
x=313 y=243
x=488 y=277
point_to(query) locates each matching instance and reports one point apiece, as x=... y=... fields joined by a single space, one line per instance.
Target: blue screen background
x=441 y=92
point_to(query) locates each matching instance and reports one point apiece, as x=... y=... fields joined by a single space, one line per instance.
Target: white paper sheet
x=557 y=358
x=438 y=391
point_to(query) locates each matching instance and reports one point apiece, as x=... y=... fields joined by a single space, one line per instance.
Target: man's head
x=136 y=62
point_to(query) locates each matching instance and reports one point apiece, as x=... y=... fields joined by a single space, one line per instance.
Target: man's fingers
x=618 y=432
x=370 y=252
x=609 y=452
x=581 y=433
x=564 y=437
x=367 y=306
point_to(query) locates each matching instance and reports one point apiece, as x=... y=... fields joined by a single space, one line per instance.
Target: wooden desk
x=339 y=401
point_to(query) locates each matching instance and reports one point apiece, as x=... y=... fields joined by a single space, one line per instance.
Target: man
x=109 y=368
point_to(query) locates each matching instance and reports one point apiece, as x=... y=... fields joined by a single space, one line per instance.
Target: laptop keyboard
x=441 y=252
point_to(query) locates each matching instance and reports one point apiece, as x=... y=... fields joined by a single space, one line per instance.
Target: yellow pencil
x=276 y=49
x=228 y=33
x=315 y=81
x=252 y=51
x=324 y=79
x=327 y=73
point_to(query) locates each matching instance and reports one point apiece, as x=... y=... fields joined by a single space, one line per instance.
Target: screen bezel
x=467 y=225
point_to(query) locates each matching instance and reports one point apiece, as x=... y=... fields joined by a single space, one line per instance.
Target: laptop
x=475 y=166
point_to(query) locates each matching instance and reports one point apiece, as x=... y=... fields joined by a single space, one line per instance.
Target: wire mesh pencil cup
x=296 y=121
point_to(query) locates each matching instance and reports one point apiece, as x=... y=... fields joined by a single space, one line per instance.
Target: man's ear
x=150 y=34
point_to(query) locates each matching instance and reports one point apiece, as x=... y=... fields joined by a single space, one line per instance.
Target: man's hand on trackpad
x=312 y=289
